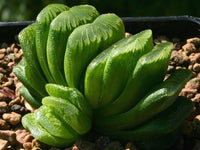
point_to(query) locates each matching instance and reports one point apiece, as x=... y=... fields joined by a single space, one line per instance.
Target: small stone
x=12 y=46
x=16 y=50
x=17 y=57
x=127 y=34
x=3 y=144
x=170 y=69
x=3 y=107
x=179 y=58
x=37 y=145
x=193 y=84
x=196 y=98
x=11 y=64
x=3 y=98
x=2 y=70
x=21 y=136
x=8 y=135
x=196 y=67
x=4 y=125
x=9 y=50
x=189 y=48
x=12 y=118
x=2 y=56
x=2 y=51
x=27 y=146
x=7 y=84
x=195 y=41
x=3 y=63
x=15 y=101
x=18 y=109
x=189 y=93
x=194 y=58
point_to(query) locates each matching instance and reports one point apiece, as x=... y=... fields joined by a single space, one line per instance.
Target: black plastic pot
x=174 y=26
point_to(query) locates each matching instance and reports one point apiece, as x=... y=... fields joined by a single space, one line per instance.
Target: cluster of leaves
x=94 y=76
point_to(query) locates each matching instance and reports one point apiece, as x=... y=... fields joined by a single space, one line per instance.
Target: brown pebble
x=9 y=50
x=4 y=125
x=2 y=70
x=195 y=41
x=127 y=34
x=2 y=51
x=7 y=84
x=8 y=135
x=3 y=144
x=3 y=63
x=196 y=98
x=189 y=48
x=12 y=46
x=27 y=145
x=15 y=50
x=28 y=138
x=17 y=100
x=194 y=58
x=189 y=93
x=3 y=98
x=11 y=64
x=21 y=136
x=13 y=118
x=2 y=55
x=179 y=58
x=37 y=144
x=193 y=84
x=196 y=67
x=3 y=107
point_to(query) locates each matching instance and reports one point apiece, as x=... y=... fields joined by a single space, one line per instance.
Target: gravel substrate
x=12 y=106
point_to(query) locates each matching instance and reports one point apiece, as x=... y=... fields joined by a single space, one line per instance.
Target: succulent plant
x=80 y=71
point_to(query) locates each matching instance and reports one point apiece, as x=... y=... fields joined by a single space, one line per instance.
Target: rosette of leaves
x=80 y=71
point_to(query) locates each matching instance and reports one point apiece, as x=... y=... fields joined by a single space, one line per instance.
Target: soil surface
x=13 y=136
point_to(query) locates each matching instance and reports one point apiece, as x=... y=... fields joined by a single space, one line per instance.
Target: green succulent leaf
x=54 y=124
x=29 y=97
x=158 y=100
x=70 y=114
x=164 y=123
x=30 y=123
x=85 y=42
x=72 y=95
x=107 y=74
x=30 y=79
x=60 y=29
x=149 y=71
x=27 y=42
x=43 y=21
